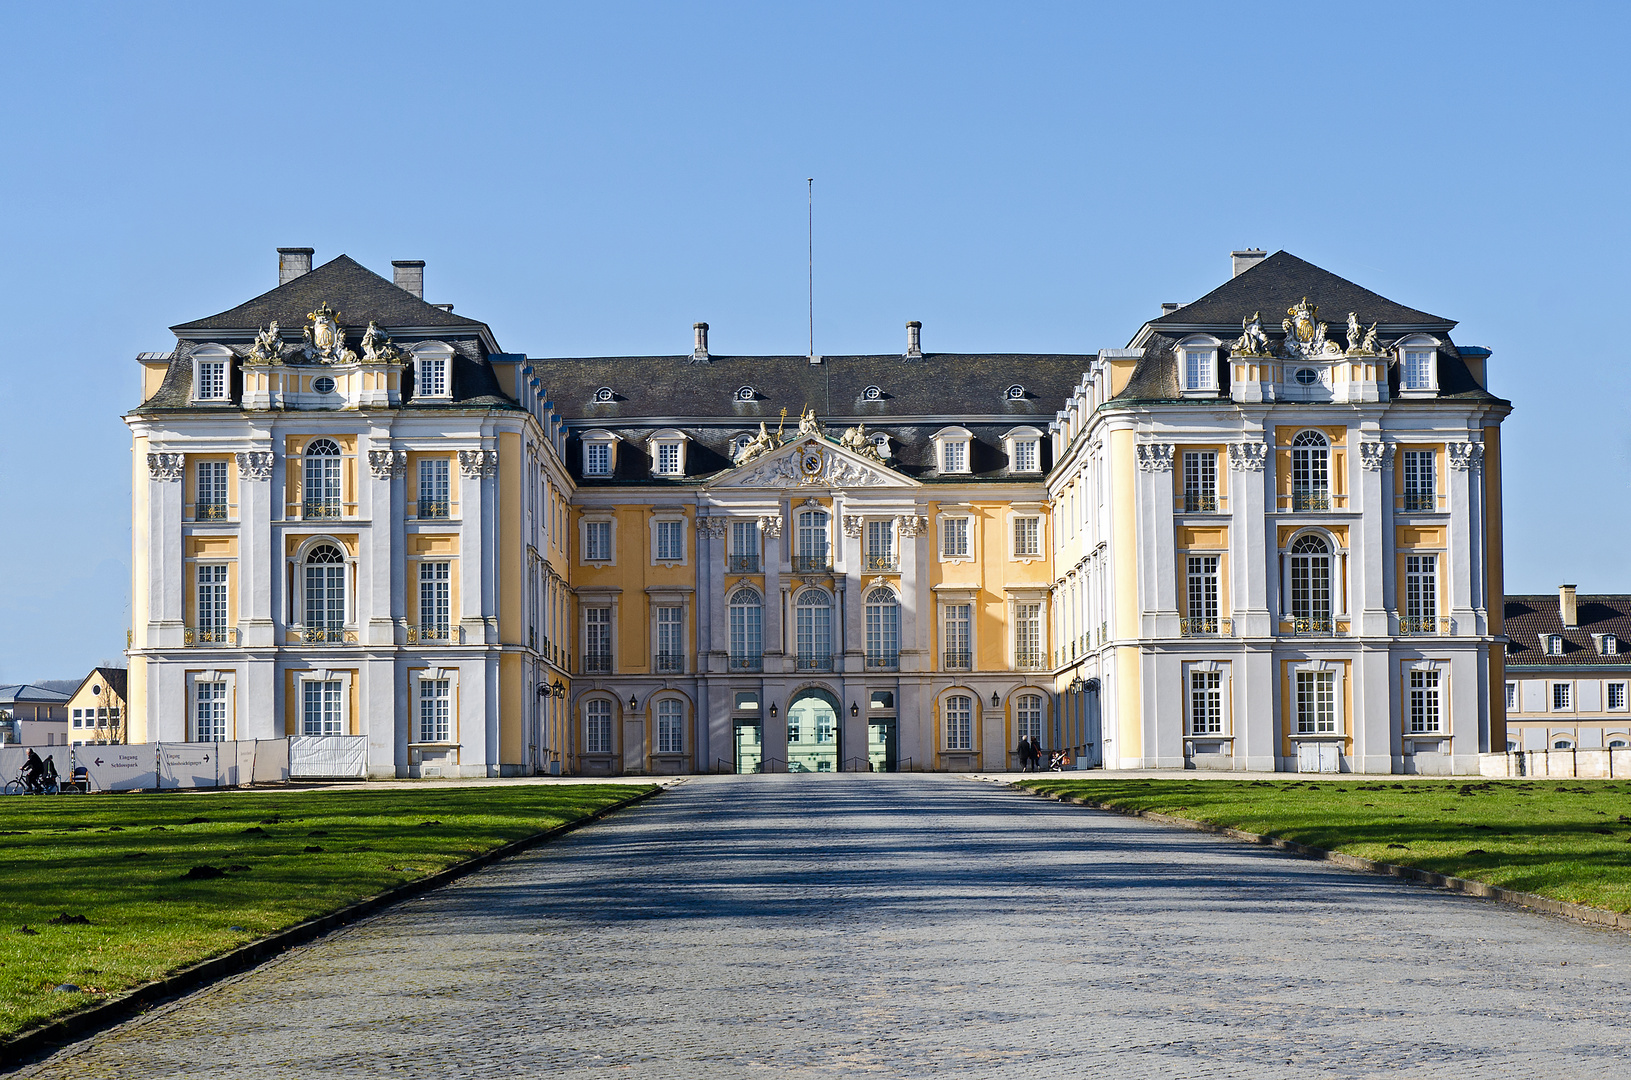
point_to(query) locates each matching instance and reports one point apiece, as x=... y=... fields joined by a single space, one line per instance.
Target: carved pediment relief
x=811 y=460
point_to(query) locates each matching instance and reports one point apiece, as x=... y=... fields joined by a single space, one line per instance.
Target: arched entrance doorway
x=812 y=732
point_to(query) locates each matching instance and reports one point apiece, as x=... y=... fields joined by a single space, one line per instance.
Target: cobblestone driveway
x=903 y=925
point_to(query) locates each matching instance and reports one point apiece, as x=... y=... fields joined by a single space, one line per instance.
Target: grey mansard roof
x=351 y=289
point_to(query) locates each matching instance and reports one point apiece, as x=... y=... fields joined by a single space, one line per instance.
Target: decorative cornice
x=166 y=466
x=1155 y=457
x=1465 y=456
x=1248 y=456
x=255 y=464
x=385 y=464
x=1373 y=455
x=474 y=463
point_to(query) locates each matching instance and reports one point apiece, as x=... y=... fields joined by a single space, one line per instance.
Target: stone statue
x=1305 y=334
x=808 y=424
x=855 y=440
x=268 y=347
x=377 y=348
x=1252 y=341
x=759 y=445
x=1373 y=344
x=1355 y=340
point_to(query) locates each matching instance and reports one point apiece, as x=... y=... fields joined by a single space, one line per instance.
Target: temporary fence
x=328 y=756
x=162 y=766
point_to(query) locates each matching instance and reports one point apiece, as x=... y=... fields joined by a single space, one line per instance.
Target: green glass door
x=880 y=746
x=749 y=747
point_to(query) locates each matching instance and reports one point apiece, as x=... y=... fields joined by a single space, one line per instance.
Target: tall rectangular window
x=1421 y=593
x=1197 y=369
x=597 y=459
x=432 y=379
x=1420 y=482
x=210 y=496
x=434 y=490
x=1616 y=695
x=597 y=639
x=670 y=726
x=954 y=456
x=1205 y=703
x=212 y=380
x=212 y=601
x=1562 y=696
x=1028 y=716
x=597 y=541
x=435 y=600
x=668 y=458
x=1025 y=455
x=959 y=723
x=744 y=552
x=1418 y=369
x=954 y=538
x=747 y=630
x=670 y=541
x=882 y=629
x=1512 y=697
x=435 y=699
x=597 y=726
x=880 y=545
x=210 y=715
x=670 y=639
x=1028 y=635
x=1203 y=594
x=1316 y=703
x=1027 y=537
x=1200 y=481
x=957 y=624
x=1424 y=710
x=321 y=707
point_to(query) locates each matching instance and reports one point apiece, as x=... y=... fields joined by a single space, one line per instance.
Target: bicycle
x=20 y=785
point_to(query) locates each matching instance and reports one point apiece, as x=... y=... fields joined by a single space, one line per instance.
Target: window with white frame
x=954 y=457
x=1562 y=696
x=880 y=545
x=1205 y=702
x=882 y=629
x=435 y=710
x=597 y=541
x=1200 y=367
x=1202 y=594
x=212 y=380
x=321 y=480
x=744 y=549
x=597 y=640
x=1512 y=697
x=1421 y=593
x=435 y=492
x=1200 y=481
x=430 y=377
x=1310 y=471
x=747 y=630
x=668 y=459
x=597 y=726
x=1616 y=695
x=1611 y=645
x=210 y=491
x=1554 y=645
x=670 y=541
x=1027 y=455
x=324 y=614
x=957 y=625
x=959 y=722
x=1316 y=703
x=670 y=639
x=1420 y=480
x=597 y=459
x=322 y=707
x=435 y=600
x=209 y=712
x=811 y=550
x=954 y=538
x=1424 y=701
x=1310 y=559
x=1028 y=635
x=1027 y=537
x=1028 y=716
x=212 y=601
x=813 y=622
x=670 y=726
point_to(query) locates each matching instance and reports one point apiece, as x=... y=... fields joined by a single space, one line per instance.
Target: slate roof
x=1280 y=281
x=919 y=398
x=353 y=290
x=114 y=678
x=1528 y=618
x=29 y=694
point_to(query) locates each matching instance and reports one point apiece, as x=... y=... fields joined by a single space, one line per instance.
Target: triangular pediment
x=812 y=461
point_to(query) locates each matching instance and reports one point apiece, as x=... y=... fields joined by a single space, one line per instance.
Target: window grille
x=1424 y=703
x=434 y=701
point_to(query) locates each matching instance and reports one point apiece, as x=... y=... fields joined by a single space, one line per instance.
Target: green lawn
x=121 y=862
x=1566 y=839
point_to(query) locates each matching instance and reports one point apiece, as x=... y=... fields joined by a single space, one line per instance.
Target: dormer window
x=872 y=393
x=432 y=370
x=604 y=395
x=1024 y=450
x=951 y=449
x=1608 y=645
x=746 y=393
x=1198 y=361
x=1015 y=392
x=599 y=453
x=1418 y=366
x=210 y=367
x=668 y=453
x=1554 y=645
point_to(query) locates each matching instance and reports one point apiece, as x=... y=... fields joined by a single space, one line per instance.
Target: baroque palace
x=1252 y=539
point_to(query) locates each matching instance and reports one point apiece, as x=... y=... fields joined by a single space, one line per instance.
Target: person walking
x=1024 y=753
x=1036 y=754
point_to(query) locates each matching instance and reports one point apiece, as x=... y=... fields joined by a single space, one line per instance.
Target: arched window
x=1028 y=715
x=325 y=594
x=882 y=629
x=322 y=479
x=959 y=723
x=1311 y=584
x=1310 y=472
x=814 y=624
x=604 y=395
x=670 y=726
x=745 y=393
x=597 y=726
x=1015 y=392
x=747 y=621
x=811 y=554
x=872 y=393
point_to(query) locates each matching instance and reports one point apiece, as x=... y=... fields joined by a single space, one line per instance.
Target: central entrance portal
x=812 y=733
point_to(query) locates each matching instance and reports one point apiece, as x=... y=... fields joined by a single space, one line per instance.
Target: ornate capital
x=910 y=525
x=1248 y=456
x=255 y=464
x=165 y=466
x=715 y=527
x=1155 y=457
x=771 y=526
x=1373 y=455
x=385 y=464
x=852 y=525
x=478 y=463
x=1465 y=456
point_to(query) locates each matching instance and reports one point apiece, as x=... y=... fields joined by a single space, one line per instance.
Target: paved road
x=856 y=925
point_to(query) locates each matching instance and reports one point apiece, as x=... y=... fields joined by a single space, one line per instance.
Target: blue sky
x=593 y=178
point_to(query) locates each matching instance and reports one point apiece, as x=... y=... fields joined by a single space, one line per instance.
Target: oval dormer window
x=323 y=384
x=1015 y=393
x=1307 y=376
x=872 y=393
x=604 y=394
x=745 y=394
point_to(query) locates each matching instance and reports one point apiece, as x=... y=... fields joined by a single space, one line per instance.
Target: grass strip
x=106 y=892
x=1567 y=840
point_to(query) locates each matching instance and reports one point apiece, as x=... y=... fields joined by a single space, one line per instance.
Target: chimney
x=914 y=340
x=1245 y=260
x=1567 y=607
x=409 y=275
x=700 y=350
x=1169 y=308
x=293 y=262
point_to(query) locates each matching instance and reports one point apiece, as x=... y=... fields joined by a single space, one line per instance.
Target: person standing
x=1024 y=753
x=1036 y=754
